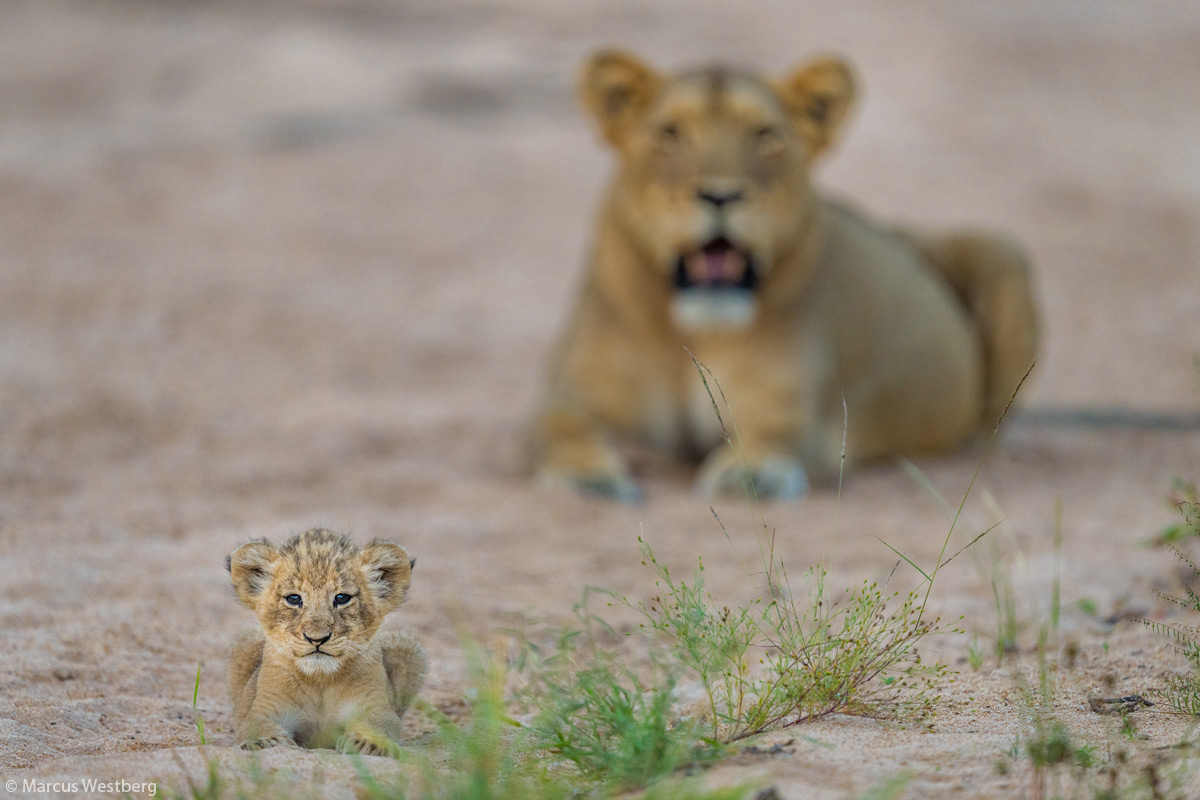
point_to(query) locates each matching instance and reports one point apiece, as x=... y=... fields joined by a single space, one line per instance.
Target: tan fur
x=291 y=685
x=712 y=238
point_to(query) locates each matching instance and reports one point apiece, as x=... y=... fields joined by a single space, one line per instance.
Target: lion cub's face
x=319 y=598
x=714 y=172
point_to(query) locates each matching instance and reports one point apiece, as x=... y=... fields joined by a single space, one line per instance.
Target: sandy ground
x=270 y=265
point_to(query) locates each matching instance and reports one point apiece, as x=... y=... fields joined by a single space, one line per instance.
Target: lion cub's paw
x=774 y=477
x=613 y=485
x=268 y=741
x=355 y=742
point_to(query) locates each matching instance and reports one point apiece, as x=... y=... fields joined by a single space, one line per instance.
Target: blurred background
x=266 y=265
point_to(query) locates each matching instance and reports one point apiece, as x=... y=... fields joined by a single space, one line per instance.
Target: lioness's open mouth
x=719 y=264
x=714 y=287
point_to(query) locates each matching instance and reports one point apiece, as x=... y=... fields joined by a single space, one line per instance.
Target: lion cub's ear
x=819 y=95
x=388 y=570
x=616 y=88
x=250 y=569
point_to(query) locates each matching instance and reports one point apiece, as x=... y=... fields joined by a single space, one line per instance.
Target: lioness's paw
x=268 y=741
x=368 y=745
x=774 y=477
x=615 y=486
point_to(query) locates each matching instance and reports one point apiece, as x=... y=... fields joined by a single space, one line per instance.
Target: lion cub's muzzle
x=715 y=287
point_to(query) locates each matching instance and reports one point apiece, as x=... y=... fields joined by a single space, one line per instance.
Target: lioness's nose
x=719 y=198
x=317 y=641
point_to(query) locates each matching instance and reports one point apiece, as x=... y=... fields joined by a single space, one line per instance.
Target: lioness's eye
x=668 y=134
x=768 y=137
x=294 y=600
x=341 y=599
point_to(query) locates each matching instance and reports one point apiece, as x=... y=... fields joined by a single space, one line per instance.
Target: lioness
x=316 y=674
x=712 y=240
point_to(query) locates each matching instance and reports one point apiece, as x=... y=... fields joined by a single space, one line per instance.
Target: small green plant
x=1184 y=497
x=614 y=721
x=195 y=710
x=974 y=653
x=212 y=789
x=485 y=758
x=1009 y=622
x=777 y=662
x=1063 y=767
x=1181 y=690
x=254 y=783
x=493 y=757
x=890 y=788
x=1048 y=743
x=1050 y=749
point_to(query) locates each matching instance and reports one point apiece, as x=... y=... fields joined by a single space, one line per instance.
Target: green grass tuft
x=196 y=711
x=1181 y=690
x=613 y=720
x=775 y=662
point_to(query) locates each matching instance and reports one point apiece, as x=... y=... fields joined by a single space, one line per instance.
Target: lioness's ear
x=388 y=571
x=615 y=88
x=250 y=569
x=819 y=95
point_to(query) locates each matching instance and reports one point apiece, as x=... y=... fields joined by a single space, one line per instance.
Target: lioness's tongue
x=716 y=266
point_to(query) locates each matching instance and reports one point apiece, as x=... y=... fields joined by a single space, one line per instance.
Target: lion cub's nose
x=317 y=641
x=719 y=198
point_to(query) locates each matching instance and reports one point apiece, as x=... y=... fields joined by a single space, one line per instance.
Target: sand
x=272 y=265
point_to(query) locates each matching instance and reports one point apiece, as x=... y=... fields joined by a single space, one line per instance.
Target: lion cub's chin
x=704 y=310
x=318 y=664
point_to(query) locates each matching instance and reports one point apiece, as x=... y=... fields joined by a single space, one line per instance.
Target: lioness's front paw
x=268 y=741
x=613 y=485
x=375 y=745
x=774 y=477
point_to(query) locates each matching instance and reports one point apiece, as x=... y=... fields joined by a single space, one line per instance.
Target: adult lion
x=712 y=241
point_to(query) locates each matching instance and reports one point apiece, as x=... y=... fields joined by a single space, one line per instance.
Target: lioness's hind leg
x=405 y=663
x=993 y=279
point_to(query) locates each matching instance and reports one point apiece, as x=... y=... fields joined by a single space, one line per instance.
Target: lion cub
x=316 y=675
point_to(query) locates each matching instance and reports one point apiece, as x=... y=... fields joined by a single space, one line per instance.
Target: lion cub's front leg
x=279 y=738
x=377 y=731
x=258 y=731
x=374 y=735
x=405 y=665
x=374 y=727
x=254 y=731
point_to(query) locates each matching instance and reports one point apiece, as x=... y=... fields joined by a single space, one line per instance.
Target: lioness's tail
x=992 y=278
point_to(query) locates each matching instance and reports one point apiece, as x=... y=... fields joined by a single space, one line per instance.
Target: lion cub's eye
x=294 y=600
x=341 y=599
